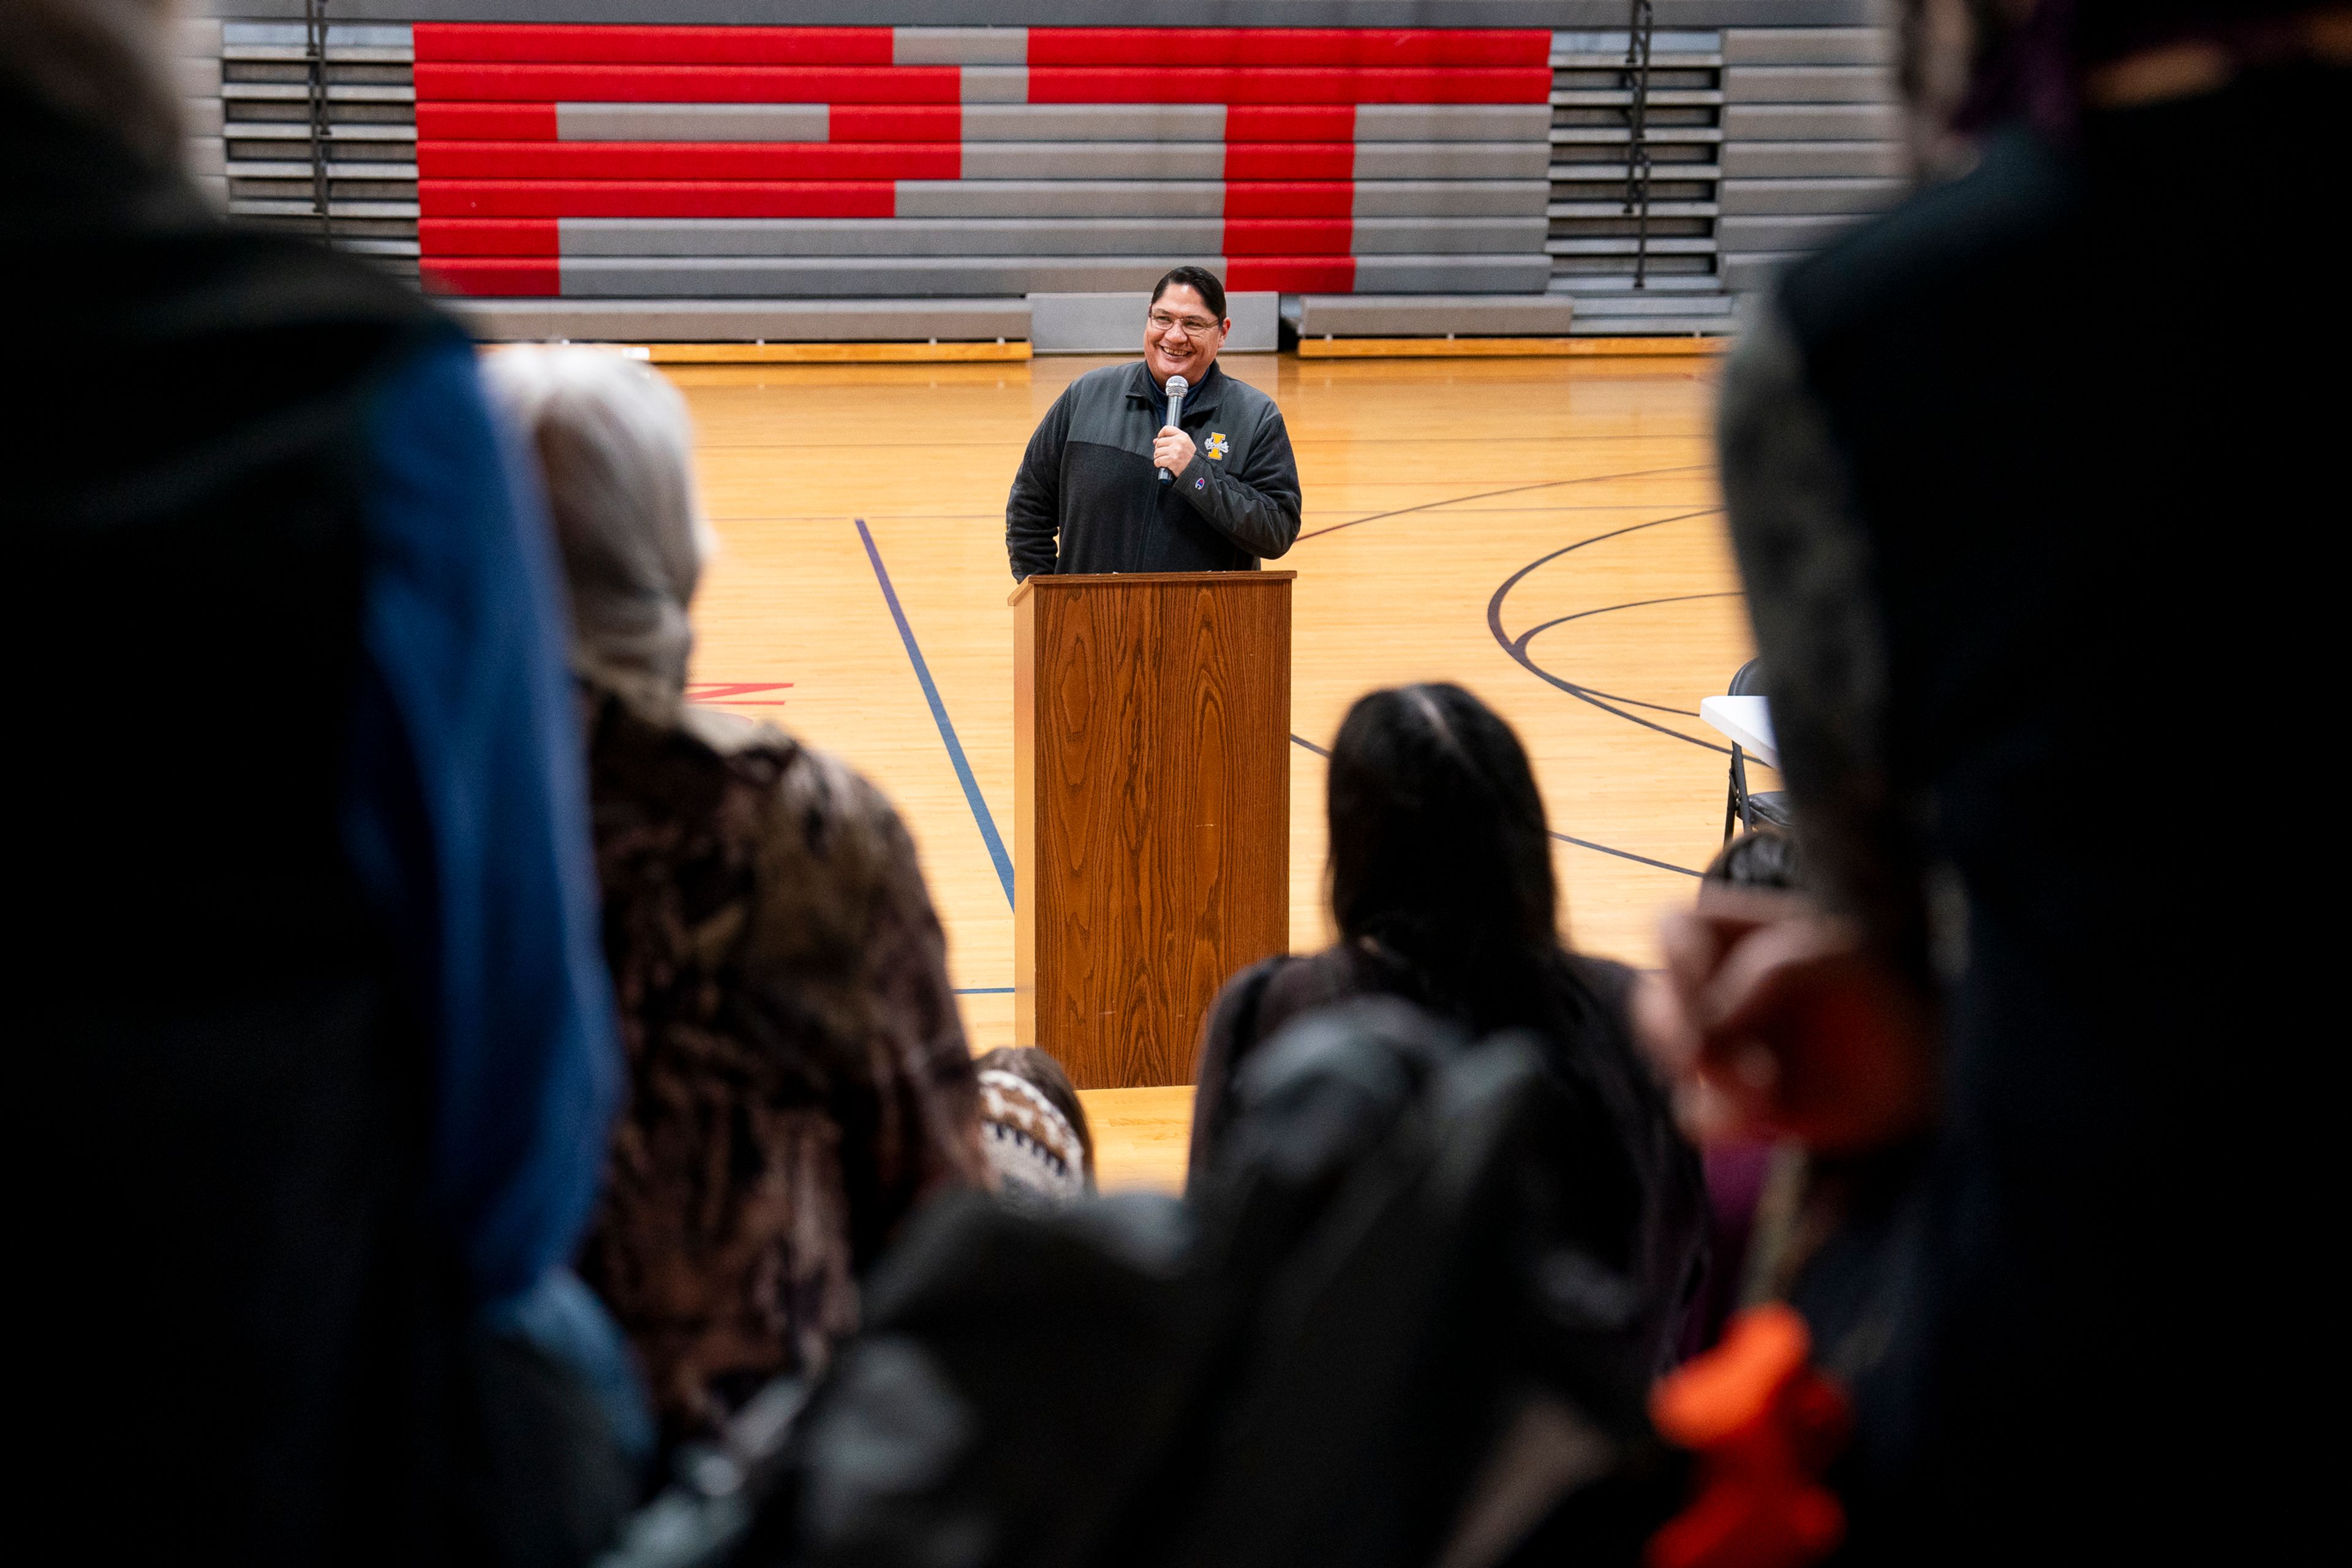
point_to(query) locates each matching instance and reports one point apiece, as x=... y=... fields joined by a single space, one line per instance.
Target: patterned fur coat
x=800 y=1078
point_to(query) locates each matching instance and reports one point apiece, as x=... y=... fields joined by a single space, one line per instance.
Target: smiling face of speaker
x=1181 y=335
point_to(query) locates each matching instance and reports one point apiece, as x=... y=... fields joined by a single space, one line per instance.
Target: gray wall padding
x=1814 y=160
x=1059 y=198
x=742 y=321
x=1095 y=122
x=1811 y=122
x=1453 y=121
x=995 y=237
x=1112 y=323
x=1000 y=237
x=958 y=46
x=1556 y=14
x=1433 y=315
x=996 y=84
x=1807 y=84
x=1734 y=235
x=692 y=122
x=1453 y=274
x=1094 y=160
x=1451 y=198
x=1774 y=197
x=755 y=277
x=1453 y=160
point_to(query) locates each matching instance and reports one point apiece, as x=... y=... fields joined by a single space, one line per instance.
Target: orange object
x=1764 y=1425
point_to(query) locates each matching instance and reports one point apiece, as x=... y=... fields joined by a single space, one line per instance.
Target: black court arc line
x=1585 y=693
x=1525 y=638
x=1512 y=490
x=1563 y=837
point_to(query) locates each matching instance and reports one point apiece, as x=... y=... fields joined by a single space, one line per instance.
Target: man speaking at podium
x=1112 y=483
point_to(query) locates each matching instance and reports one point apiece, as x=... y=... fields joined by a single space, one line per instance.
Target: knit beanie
x=1032 y=1147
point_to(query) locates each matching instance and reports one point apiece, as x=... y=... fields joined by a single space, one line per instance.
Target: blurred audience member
x=322 y=1049
x=1039 y=1147
x=1974 y=499
x=1443 y=892
x=800 y=1075
x=1739 y=1170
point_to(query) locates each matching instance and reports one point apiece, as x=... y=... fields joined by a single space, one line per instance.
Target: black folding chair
x=1746 y=810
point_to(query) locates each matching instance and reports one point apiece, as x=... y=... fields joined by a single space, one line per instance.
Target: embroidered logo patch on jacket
x=1218 y=445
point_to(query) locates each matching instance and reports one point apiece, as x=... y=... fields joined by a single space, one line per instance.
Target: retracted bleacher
x=643 y=179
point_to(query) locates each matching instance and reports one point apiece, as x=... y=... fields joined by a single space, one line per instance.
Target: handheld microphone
x=1177 y=388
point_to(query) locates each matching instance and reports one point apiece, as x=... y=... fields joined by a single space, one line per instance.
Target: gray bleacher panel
x=1653 y=312
x=1453 y=160
x=197 y=78
x=1811 y=122
x=1450 y=198
x=958 y=46
x=1453 y=274
x=1815 y=160
x=996 y=84
x=692 y=122
x=1112 y=323
x=761 y=277
x=1772 y=196
x=998 y=237
x=745 y=321
x=201 y=116
x=1807 y=84
x=1768 y=234
x=1748 y=271
x=207 y=156
x=1060 y=198
x=1431 y=315
x=1094 y=160
x=1012 y=237
x=1432 y=235
x=196 y=37
x=1451 y=122
x=1804 y=46
x=1554 y=13
x=1095 y=122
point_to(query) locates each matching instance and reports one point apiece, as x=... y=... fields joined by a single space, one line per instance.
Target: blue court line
x=939 y=716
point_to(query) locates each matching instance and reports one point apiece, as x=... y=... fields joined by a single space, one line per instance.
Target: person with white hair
x=800 y=1074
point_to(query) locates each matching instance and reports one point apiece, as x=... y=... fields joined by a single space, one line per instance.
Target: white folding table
x=1746 y=723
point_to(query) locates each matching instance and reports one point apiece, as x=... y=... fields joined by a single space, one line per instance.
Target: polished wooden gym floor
x=1547 y=532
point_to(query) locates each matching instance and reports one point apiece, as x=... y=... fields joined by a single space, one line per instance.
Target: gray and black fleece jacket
x=1089 y=499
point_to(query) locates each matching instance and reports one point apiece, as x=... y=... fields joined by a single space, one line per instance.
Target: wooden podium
x=1151 y=808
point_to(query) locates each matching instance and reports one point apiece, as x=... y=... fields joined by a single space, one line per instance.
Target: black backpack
x=1370 y=1340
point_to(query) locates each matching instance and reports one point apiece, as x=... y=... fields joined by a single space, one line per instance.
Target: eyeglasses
x=1193 y=326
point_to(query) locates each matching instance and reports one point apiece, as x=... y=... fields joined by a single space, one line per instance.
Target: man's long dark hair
x=1440 y=859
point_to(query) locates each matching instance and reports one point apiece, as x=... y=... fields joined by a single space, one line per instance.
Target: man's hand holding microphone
x=1172 y=450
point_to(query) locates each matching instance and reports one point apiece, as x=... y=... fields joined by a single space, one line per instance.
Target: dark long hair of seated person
x=1443 y=892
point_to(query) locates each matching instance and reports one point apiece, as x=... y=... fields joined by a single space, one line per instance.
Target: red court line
x=1290 y=161
x=486 y=122
x=1256 y=237
x=542 y=43
x=490 y=236
x=656 y=198
x=1288 y=46
x=690 y=161
x=688 y=84
x=490 y=278
x=1290 y=199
